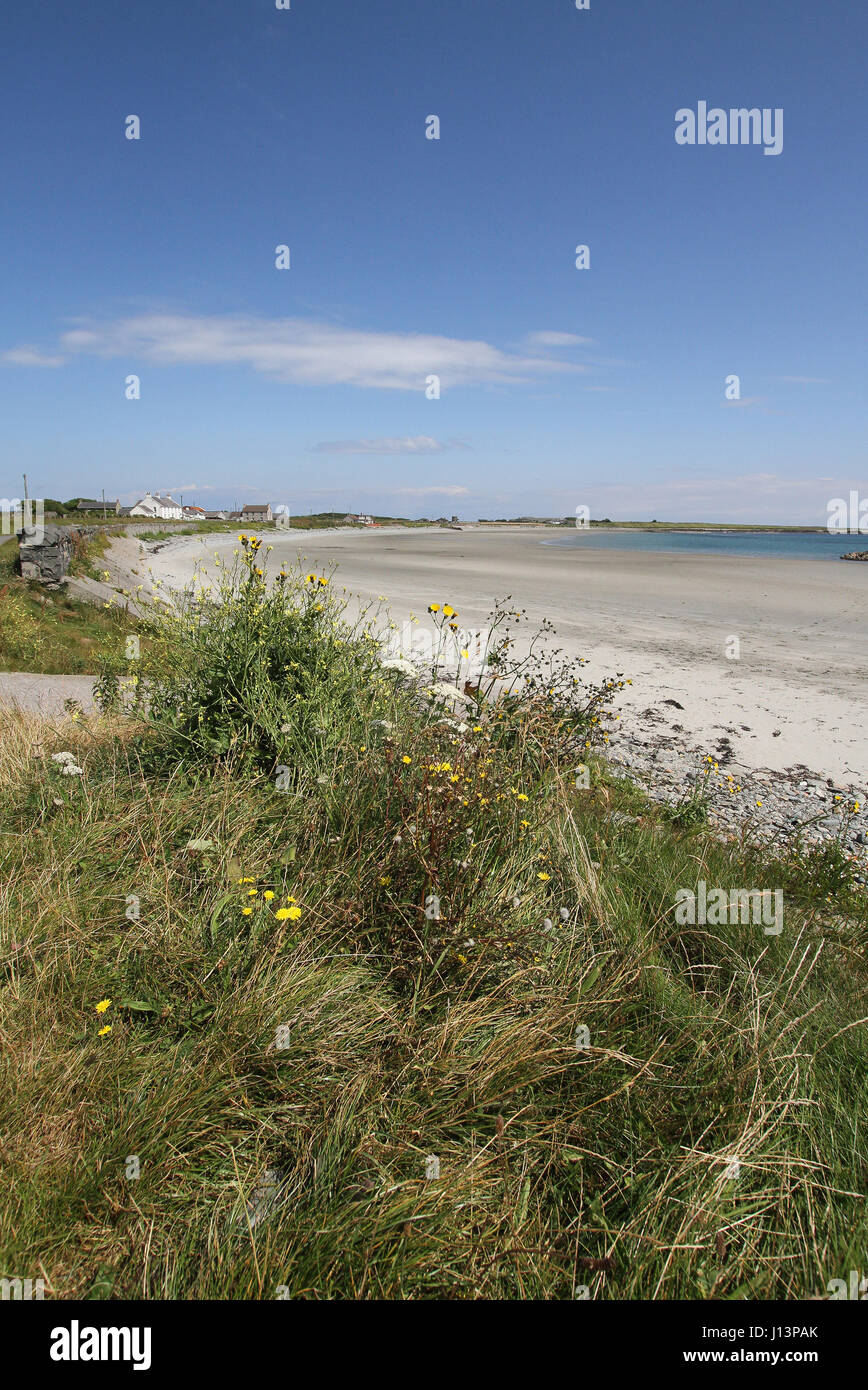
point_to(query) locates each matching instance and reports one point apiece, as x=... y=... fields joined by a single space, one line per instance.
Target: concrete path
x=45 y=694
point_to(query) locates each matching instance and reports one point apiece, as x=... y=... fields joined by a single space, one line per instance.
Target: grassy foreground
x=239 y=1044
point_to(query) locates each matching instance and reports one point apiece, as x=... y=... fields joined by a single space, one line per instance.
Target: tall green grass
x=249 y=868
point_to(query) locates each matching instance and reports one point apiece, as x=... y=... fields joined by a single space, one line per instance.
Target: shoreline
x=793 y=698
x=785 y=718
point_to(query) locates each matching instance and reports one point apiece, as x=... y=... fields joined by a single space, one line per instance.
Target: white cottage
x=154 y=506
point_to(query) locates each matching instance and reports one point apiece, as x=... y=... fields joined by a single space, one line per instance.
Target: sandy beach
x=795 y=697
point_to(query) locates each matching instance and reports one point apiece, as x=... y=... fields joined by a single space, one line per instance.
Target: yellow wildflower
x=290 y=914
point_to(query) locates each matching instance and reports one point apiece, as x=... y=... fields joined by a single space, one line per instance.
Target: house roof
x=256 y=507
x=157 y=500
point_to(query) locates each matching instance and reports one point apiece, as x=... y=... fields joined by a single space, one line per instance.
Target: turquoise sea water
x=808 y=546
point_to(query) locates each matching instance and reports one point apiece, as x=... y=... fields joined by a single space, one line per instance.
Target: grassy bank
x=295 y=941
x=49 y=631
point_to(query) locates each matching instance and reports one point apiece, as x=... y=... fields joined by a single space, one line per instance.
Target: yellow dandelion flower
x=405 y=759
x=544 y=877
x=104 y=1031
x=246 y=911
x=268 y=895
x=103 y=1005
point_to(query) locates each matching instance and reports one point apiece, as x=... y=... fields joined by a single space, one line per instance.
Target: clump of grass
x=289 y=936
x=87 y=551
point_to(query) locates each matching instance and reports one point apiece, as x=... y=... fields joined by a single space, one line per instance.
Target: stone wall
x=46 y=553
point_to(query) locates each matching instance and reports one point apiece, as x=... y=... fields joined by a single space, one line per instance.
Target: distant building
x=216 y=516
x=87 y=504
x=154 y=506
x=257 y=511
x=193 y=513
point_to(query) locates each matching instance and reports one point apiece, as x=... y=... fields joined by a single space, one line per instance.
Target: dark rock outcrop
x=45 y=552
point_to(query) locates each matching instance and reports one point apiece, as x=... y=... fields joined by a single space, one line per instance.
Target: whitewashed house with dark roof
x=154 y=506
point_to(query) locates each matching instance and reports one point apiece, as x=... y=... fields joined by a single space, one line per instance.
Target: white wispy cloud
x=807 y=380
x=192 y=487
x=29 y=356
x=443 y=489
x=410 y=444
x=300 y=351
x=546 y=337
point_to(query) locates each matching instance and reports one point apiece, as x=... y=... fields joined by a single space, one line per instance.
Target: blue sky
x=411 y=257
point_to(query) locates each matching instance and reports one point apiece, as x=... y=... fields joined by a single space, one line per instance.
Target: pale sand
x=661 y=619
